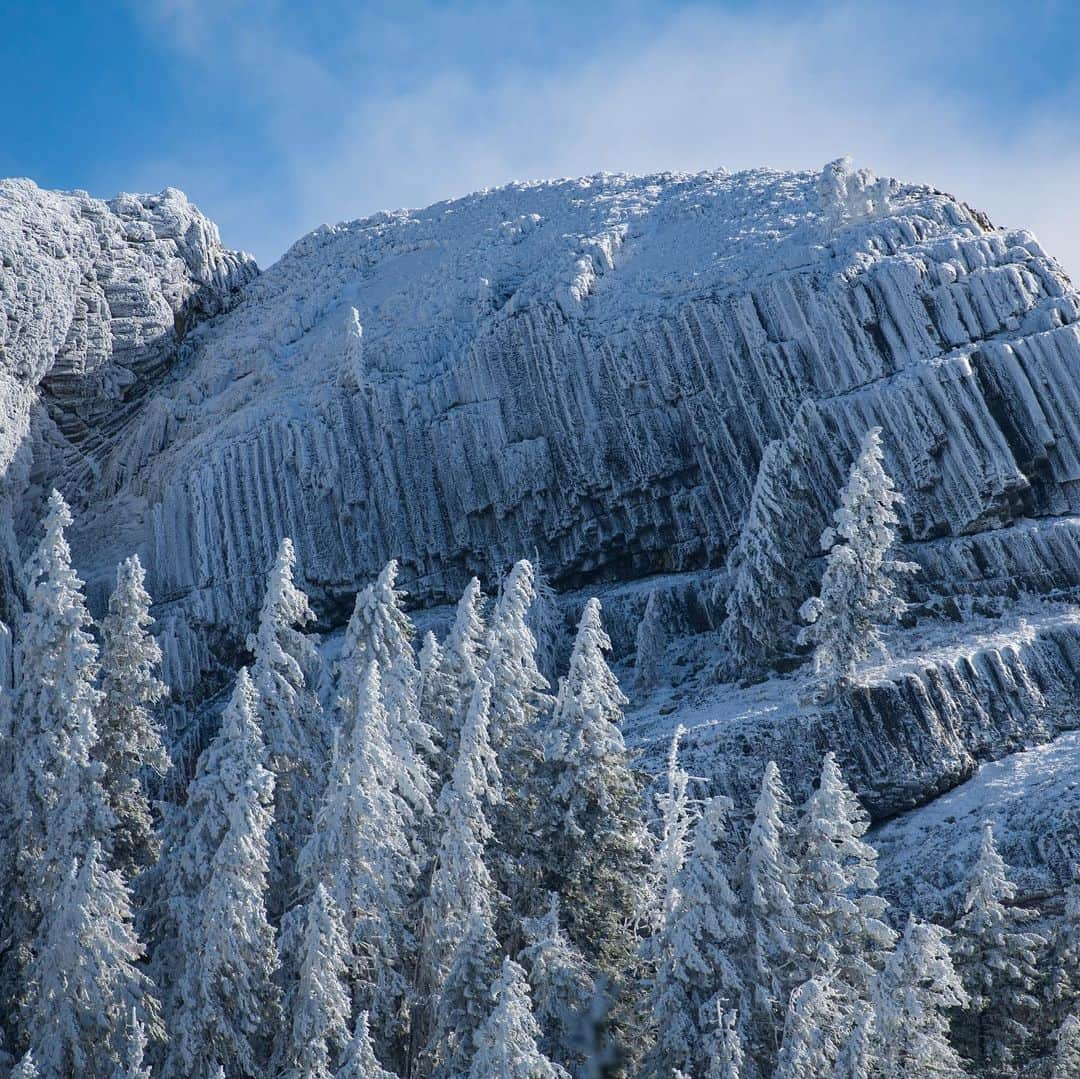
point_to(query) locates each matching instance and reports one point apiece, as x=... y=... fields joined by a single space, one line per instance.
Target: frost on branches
x=858 y=589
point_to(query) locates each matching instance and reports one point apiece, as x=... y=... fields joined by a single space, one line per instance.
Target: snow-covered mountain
x=585 y=372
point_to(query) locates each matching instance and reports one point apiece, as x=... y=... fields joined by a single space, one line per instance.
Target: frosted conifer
x=912 y=1000
x=360 y=851
x=507 y=1040
x=591 y=838
x=380 y=630
x=316 y=1006
x=358 y=1060
x=1067 y=1049
x=289 y=716
x=838 y=876
x=562 y=987
x=463 y=656
x=26 y=1068
x=83 y=982
x=998 y=962
x=858 y=589
x=651 y=643
x=225 y=1004
x=464 y=1000
x=134 y=1065
x=814 y=1020
x=728 y=1059
x=775 y=928
x=766 y=567
x=461 y=885
x=129 y=734
x=696 y=971
x=58 y=805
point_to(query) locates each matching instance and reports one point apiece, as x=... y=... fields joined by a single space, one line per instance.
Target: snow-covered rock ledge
x=954 y=695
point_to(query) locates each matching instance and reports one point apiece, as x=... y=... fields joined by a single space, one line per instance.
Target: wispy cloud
x=694 y=88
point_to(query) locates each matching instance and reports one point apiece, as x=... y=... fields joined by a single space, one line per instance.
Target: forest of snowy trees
x=455 y=870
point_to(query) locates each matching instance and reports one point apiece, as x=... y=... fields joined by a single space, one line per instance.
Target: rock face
x=95 y=300
x=588 y=370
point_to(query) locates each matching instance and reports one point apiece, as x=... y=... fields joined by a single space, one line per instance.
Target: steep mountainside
x=586 y=371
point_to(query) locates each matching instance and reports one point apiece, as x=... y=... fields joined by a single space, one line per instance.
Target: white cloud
x=898 y=92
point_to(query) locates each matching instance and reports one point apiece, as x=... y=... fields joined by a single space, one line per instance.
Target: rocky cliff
x=586 y=371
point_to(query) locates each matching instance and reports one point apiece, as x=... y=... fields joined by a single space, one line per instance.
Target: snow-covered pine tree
x=767 y=567
x=461 y=885
x=518 y=702
x=360 y=851
x=463 y=656
x=678 y=813
x=728 y=1055
x=1063 y=989
x=1067 y=1049
x=848 y=936
x=57 y=801
x=316 y=1007
x=464 y=1000
x=590 y=835
x=134 y=1065
x=359 y=1061
x=858 y=590
x=290 y=717
x=507 y=1043
x=812 y=1028
x=856 y=1059
x=913 y=997
x=562 y=988
x=545 y=620
x=696 y=974
x=380 y=631
x=224 y=1005
x=998 y=963
x=26 y=1068
x=775 y=928
x=83 y=982
x=129 y=733
x=651 y=642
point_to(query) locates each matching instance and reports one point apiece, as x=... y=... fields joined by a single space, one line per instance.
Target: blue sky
x=275 y=117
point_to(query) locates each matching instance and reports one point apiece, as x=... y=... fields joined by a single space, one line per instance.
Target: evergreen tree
x=590 y=835
x=696 y=976
x=507 y=1041
x=767 y=567
x=83 y=982
x=651 y=643
x=999 y=964
x=58 y=804
x=461 y=885
x=677 y=816
x=437 y=703
x=545 y=621
x=380 y=631
x=359 y=1060
x=464 y=1001
x=913 y=996
x=1067 y=1049
x=134 y=1065
x=225 y=1004
x=858 y=589
x=1064 y=983
x=838 y=875
x=317 y=1006
x=728 y=1055
x=857 y=1059
x=814 y=1020
x=130 y=741
x=775 y=927
x=360 y=851
x=290 y=718
x=463 y=656
x=26 y=1068
x=562 y=988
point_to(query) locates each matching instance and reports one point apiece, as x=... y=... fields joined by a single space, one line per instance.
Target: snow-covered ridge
x=584 y=369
